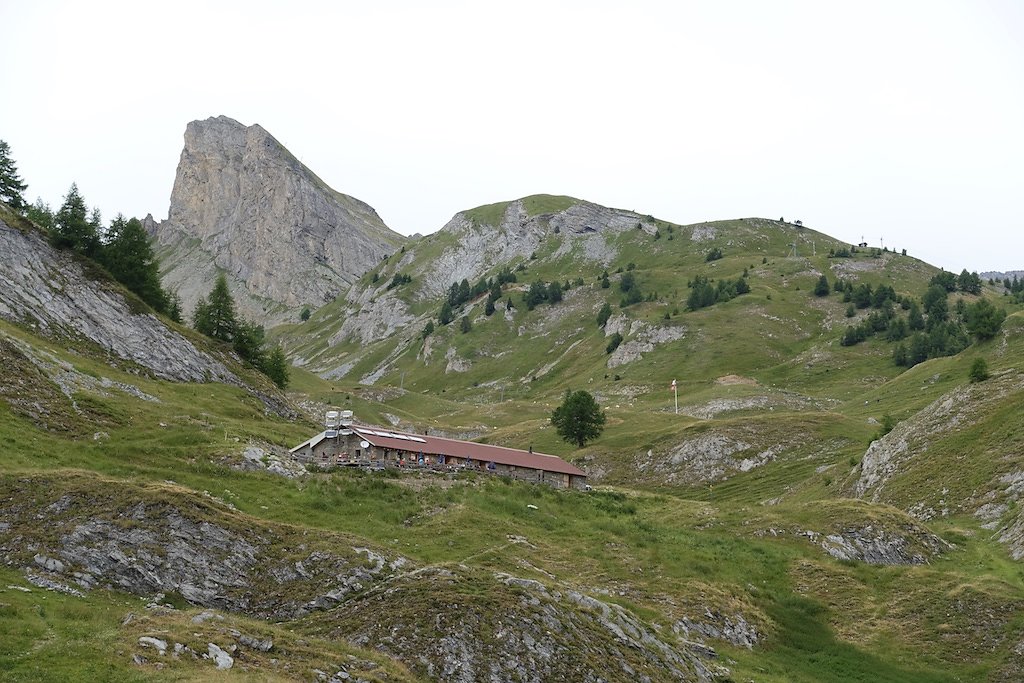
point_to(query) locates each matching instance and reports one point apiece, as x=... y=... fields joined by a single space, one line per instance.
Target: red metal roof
x=436 y=445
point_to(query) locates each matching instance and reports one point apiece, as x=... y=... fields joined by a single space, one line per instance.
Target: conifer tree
x=215 y=317
x=579 y=419
x=446 y=314
x=247 y=342
x=979 y=370
x=822 y=288
x=11 y=188
x=41 y=214
x=554 y=292
x=72 y=227
x=129 y=258
x=276 y=367
x=174 y=307
x=983 y=319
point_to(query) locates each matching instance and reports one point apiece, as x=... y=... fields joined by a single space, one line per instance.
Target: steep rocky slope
x=50 y=291
x=63 y=297
x=961 y=453
x=243 y=205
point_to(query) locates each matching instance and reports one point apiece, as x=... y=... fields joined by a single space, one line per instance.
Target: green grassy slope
x=731 y=516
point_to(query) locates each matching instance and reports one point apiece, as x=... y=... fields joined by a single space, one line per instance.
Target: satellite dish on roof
x=364 y=444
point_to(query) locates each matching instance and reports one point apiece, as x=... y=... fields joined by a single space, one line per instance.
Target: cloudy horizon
x=895 y=122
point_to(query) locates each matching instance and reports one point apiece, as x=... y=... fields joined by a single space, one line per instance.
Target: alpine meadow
x=269 y=438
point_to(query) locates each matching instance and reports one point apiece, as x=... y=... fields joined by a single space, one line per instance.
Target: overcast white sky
x=895 y=120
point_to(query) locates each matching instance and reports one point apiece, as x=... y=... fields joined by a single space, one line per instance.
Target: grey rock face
x=582 y=229
x=732 y=628
x=48 y=290
x=185 y=548
x=198 y=560
x=643 y=338
x=243 y=205
x=868 y=543
x=712 y=456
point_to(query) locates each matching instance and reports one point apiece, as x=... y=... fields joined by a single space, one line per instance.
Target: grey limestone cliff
x=243 y=205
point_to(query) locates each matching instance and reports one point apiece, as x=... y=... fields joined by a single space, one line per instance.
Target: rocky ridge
x=472 y=247
x=476 y=247
x=245 y=206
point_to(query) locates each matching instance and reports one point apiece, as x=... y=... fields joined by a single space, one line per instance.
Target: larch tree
x=822 y=288
x=276 y=367
x=41 y=214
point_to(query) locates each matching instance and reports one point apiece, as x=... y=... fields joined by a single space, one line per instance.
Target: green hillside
x=769 y=531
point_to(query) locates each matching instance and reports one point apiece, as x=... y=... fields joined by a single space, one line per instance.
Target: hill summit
x=244 y=205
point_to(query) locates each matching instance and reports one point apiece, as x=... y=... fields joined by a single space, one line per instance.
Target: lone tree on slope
x=822 y=288
x=579 y=419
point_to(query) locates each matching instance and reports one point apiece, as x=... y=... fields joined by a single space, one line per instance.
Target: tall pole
x=675 y=393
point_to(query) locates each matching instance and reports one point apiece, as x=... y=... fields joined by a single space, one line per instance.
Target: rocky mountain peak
x=242 y=204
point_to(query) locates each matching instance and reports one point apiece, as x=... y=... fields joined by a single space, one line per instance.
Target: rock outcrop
x=871 y=544
x=505 y=628
x=243 y=205
x=99 y=535
x=584 y=230
x=49 y=291
x=61 y=296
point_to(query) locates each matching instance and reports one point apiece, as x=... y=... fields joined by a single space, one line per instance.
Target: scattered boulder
x=156 y=643
x=221 y=658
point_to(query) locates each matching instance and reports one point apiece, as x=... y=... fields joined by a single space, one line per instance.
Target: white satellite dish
x=364 y=444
